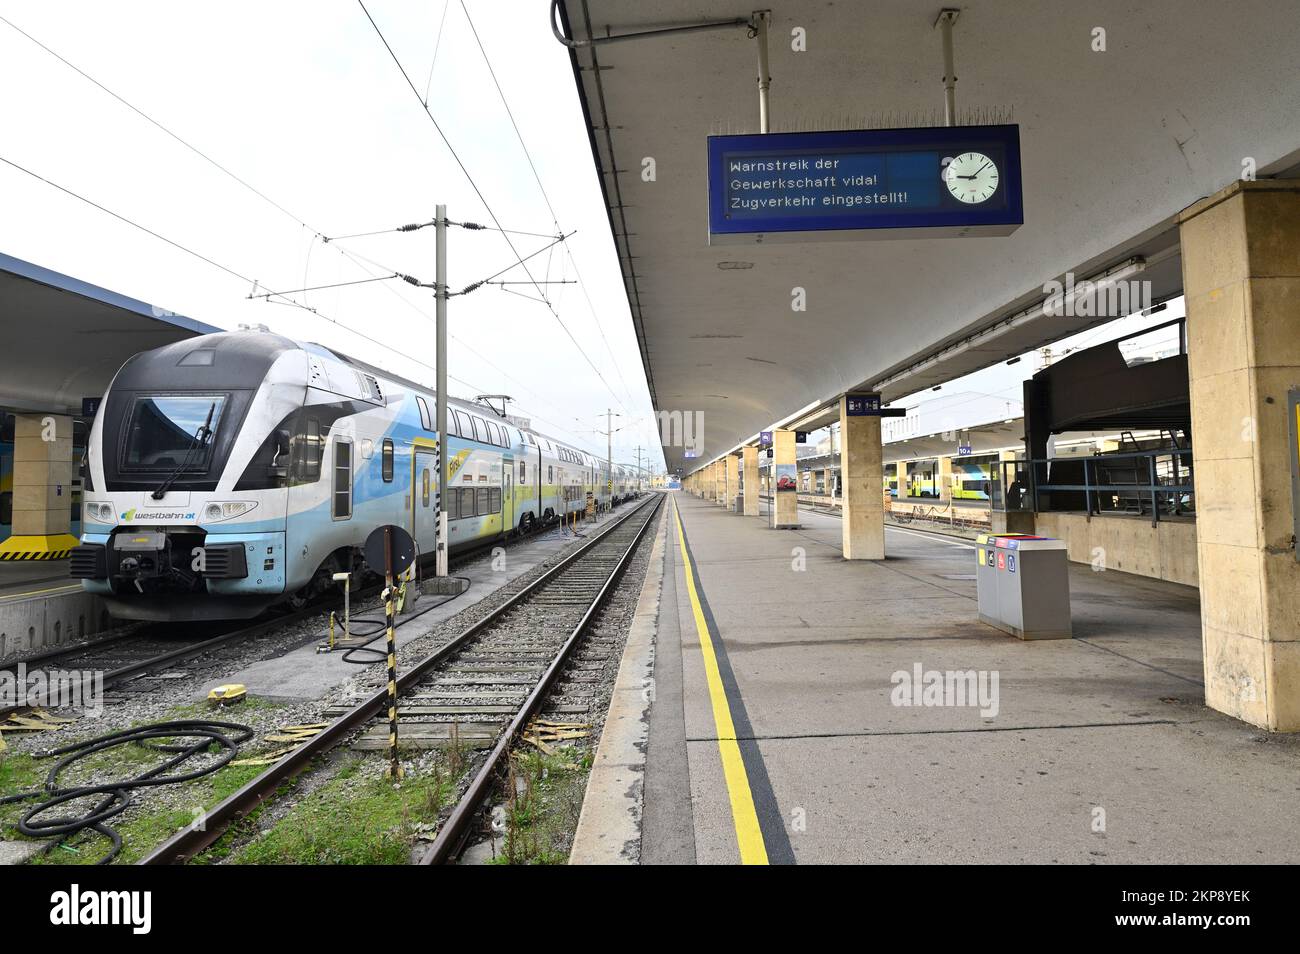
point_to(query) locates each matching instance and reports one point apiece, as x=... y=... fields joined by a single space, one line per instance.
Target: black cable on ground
x=380 y=629
x=117 y=794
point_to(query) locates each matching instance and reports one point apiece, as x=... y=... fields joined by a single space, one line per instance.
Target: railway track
x=492 y=678
x=124 y=657
x=144 y=648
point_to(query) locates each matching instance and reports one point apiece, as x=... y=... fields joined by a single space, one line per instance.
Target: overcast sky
x=302 y=101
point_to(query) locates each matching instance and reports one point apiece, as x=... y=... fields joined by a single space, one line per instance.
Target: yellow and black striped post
x=395 y=763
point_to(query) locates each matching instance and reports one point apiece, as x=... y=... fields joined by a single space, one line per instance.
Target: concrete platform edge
x=609 y=826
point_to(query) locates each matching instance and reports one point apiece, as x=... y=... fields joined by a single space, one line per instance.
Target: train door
x=424 y=498
x=508 y=495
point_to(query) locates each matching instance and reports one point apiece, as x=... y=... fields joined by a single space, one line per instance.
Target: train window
x=494 y=500
x=309 y=457
x=483 y=500
x=172 y=433
x=424 y=487
x=522 y=473
x=425 y=421
x=480 y=429
x=386 y=466
x=550 y=475
x=467 y=501
x=462 y=426
x=492 y=434
x=342 y=480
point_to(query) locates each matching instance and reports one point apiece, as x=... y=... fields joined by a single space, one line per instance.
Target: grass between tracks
x=357 y=817
x=154 y=815
x=543 y=800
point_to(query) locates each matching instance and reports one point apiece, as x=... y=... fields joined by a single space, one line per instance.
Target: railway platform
x=788 y=723
x=42 y=607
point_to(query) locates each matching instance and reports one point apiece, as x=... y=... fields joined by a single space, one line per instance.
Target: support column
x=1241 y=276
x=944 y=479
x=862 y=473
x=749 y=463
x=733 y=480
x=785 y=502
x=715 y=483
x=42 y=488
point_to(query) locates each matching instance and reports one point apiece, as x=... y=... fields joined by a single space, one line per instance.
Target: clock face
x=971 y=177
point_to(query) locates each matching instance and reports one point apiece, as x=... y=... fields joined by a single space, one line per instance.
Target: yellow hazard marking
x=749 y=837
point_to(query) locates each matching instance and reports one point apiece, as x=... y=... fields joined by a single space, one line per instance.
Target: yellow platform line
x=28 y=593
x=749 y=836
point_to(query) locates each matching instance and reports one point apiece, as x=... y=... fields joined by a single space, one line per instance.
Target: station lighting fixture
x=1120 y=272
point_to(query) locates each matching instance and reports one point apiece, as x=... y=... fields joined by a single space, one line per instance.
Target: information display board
x=930 y=182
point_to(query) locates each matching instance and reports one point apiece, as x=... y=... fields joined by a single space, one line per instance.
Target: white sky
x=302 y=101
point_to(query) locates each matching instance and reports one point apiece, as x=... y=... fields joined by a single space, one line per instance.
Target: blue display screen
x=826 y=183
x=866 y=179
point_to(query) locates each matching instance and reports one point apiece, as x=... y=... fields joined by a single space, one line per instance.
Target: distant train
x=232 y=472
x=970 y=480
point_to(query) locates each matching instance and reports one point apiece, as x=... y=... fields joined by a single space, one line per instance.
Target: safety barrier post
x=395 y=763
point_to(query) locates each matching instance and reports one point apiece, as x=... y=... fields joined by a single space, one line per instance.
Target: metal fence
x=1154 y=483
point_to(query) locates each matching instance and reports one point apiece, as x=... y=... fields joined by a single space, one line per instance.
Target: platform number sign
x=862 y=405
x=764 y=438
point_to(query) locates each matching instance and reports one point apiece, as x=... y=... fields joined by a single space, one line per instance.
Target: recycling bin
x=1023 y=585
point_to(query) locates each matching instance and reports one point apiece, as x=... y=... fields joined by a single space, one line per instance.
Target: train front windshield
x=164 y=433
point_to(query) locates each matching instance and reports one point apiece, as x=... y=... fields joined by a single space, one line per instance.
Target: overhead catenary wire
x=483 y=199
x=546 y=198
x=277 y=298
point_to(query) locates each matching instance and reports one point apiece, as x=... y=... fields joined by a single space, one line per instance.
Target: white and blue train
x=229 y=473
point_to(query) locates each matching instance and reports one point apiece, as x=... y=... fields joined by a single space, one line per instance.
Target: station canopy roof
x=1113 y=145
x=64 y=339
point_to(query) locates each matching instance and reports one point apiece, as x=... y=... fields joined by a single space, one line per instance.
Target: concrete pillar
x=715 y=483
x=785 y=503
x=944 y=478
x=42 y=489
x=862 y=474
x=1241 y=276
x=733 y=480
x=749 y=464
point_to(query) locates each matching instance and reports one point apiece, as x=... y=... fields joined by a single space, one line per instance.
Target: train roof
x=241 y=359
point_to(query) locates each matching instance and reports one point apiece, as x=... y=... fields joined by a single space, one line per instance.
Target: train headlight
x=226 y=510
x=101 y=512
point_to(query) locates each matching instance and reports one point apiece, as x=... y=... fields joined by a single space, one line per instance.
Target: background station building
x=1144 y=176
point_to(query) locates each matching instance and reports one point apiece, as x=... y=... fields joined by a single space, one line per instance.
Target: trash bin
x=1023 y=584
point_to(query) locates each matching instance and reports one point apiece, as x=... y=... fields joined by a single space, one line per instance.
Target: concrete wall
x=43 y=622
x=1166 y=551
